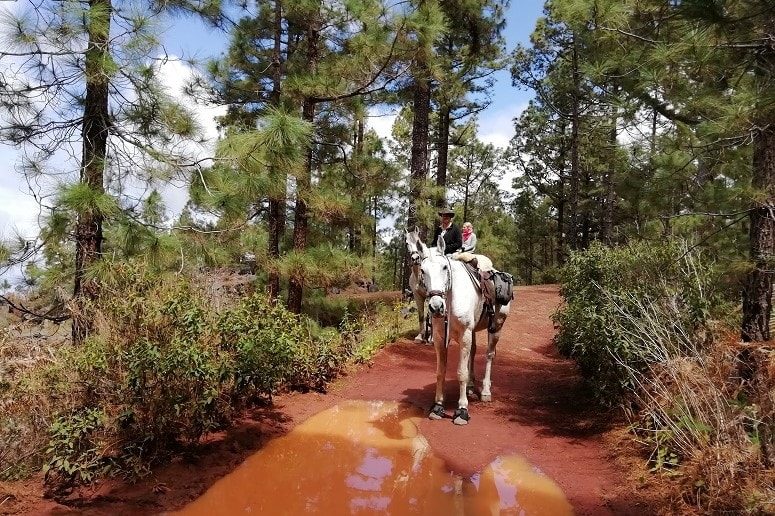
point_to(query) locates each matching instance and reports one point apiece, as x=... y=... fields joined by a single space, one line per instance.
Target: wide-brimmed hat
x=446 y=211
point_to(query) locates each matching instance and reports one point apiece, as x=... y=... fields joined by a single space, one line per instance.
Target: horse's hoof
x=419 y=338
x=437 y=412
x=461 y=417
x=486 y=397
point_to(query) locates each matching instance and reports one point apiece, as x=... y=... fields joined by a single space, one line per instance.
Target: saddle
x=496 y=286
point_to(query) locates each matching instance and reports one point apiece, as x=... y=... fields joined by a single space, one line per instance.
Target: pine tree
x=707 y=66
x=467 y=55
x=80 y=75
x=331 y=55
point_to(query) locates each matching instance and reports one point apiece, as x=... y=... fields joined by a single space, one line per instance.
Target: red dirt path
x=540 y=410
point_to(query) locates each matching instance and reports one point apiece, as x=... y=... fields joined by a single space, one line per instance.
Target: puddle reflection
x=368 y=458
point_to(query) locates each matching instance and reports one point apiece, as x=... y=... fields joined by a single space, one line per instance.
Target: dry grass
x=26 y=349
x=707 y=430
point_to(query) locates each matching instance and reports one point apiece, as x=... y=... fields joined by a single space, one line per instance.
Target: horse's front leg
x=419 y=301
x=437 y=411
x=461 y=414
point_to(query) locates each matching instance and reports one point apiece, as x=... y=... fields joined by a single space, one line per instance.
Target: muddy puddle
x=368 y=458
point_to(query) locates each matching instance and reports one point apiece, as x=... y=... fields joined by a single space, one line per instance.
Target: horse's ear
x=440 y=245
x=412 y=236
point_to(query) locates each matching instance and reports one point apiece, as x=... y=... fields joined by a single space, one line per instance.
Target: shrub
x=641 y=320
x=370 y=331
x=162 y=367
x=601 y=320
x=262 y=339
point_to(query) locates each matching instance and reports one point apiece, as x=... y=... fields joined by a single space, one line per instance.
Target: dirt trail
x=540 y=410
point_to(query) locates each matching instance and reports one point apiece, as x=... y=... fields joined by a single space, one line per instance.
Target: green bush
x=601 y=322
x=75 y=446
x=162 y=368
x=262 y=339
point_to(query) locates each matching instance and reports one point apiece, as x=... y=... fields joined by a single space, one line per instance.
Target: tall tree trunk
x=443 y=157
x=467 y=194
x=418 y=165
x=575 y=173
x=530 y=246
x=585 y=225
x=276 y=202
x=374 y=243
x=607 y=217
x=304 y=181
x=94 y=131
x=561 y=200
x=757 y=293
x=354 y=231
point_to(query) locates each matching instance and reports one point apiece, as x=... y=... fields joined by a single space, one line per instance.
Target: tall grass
x=699 y=421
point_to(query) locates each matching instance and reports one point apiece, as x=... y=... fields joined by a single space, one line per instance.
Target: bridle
x=439 y=293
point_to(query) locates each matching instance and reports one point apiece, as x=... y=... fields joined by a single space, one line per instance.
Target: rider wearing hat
x=453 y=239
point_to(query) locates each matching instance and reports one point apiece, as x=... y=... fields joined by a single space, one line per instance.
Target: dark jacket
x=453 y=239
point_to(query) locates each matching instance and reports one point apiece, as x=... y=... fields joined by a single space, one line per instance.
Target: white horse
x=457 y=309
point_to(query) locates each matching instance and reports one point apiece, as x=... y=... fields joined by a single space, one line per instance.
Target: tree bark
x=530 y=246
x=443 y=157
x=418 y=165
x=607 y=217
x=94 y=131
x=467 y=194
x=561 y=201
x=304 y=182
x=757 y=293
x=573 y=195
x=276 y=202
x=374 y=243
x=354 y=231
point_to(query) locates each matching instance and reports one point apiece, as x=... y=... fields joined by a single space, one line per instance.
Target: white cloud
x=175 y=75
x=18 y=209
x=497 y=127
x=18 y=214
x=381 y=121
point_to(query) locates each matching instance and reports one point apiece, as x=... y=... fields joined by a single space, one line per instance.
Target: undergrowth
x=161 y=368
x=643 y=324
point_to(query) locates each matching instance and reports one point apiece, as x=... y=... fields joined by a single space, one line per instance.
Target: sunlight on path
x=368 y=458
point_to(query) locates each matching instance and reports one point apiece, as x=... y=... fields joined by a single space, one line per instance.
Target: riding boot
x=490 y=310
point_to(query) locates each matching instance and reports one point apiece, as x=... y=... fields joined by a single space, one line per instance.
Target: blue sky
x=509 y=101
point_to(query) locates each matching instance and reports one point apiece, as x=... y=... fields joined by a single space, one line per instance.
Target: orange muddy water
x=363 y=457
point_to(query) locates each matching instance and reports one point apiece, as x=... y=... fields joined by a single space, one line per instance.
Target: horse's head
x=437 y=279
x=415 y=247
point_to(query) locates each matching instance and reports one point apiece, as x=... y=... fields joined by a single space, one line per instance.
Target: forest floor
x=540 y=410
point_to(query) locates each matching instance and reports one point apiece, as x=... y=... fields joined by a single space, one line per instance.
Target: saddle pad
x=484 y=263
